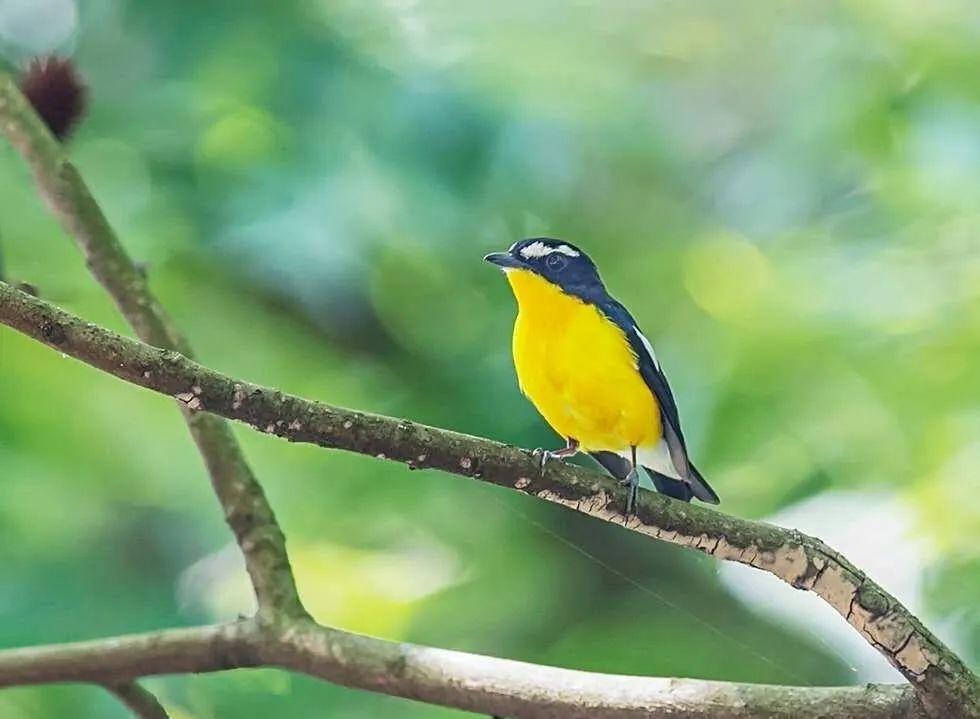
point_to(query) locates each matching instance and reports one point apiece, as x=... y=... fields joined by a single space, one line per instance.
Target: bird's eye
x=555 y=261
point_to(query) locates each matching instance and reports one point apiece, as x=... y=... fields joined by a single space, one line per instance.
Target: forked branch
x=941 y=679
x=239 y=492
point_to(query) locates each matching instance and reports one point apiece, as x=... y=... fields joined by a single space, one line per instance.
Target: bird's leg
x=570 y=450
x=632 y=481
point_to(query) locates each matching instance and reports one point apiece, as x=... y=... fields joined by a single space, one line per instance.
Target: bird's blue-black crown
x=557 y=261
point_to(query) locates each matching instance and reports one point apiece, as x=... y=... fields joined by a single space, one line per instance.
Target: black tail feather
x=700 y=488
x=675 y=488
x=617 y=466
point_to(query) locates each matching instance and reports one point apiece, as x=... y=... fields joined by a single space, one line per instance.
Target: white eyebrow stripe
x=648 y=347
x=540 y=249
x=535 y=249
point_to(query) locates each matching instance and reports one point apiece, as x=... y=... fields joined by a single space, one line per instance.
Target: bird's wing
x=655 y=379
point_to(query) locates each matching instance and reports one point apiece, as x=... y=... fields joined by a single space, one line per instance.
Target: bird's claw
x=569 y=450
x=543 y=456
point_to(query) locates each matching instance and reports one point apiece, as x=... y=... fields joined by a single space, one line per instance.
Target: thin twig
x=139 y=700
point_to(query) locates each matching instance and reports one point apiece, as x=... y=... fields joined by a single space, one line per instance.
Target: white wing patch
x=656 y=458
x=540 y=249
x=648 y=347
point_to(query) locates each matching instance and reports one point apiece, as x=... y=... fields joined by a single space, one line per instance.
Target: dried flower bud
x=55 y=90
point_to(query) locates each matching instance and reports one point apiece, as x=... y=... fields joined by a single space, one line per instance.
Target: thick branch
x=437 y=676
x=945 y=685
x=242 y=498
x=139 y=700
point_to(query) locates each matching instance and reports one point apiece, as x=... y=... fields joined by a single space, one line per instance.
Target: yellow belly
x=578 y=369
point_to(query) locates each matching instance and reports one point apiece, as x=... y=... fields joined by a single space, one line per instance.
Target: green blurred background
x=787 y=195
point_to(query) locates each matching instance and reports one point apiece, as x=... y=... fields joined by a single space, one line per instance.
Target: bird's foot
x=632 y=482
x=544 y=455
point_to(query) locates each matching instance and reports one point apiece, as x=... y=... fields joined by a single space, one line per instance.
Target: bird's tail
x=684 y=490
x=676 y=488
x=699 y=487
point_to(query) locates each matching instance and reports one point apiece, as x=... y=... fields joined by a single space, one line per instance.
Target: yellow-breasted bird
x=590 y=372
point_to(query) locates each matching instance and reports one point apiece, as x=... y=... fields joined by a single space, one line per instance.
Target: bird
x=587 y=368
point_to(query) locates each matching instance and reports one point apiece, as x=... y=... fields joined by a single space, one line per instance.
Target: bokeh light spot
x=727 y=277
x=37 y=26
x=240 y=138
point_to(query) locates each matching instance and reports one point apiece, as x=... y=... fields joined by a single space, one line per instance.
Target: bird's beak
x=503 y=259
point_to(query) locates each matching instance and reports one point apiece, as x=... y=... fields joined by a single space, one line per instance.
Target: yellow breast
x=579 y=370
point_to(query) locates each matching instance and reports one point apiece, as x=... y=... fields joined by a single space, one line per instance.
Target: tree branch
x=437 y=676
x=945 y=685
x=246 y=509
x=139 y=700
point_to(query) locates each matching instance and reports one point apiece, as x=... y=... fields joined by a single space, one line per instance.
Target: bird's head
x=558 y=262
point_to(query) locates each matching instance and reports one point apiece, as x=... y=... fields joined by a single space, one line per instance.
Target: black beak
x=503 y=259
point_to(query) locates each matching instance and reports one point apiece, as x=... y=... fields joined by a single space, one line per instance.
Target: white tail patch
x=656 y=458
